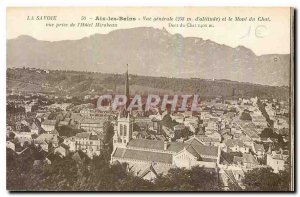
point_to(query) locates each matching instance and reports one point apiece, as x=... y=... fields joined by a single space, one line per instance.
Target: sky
x=262 y=37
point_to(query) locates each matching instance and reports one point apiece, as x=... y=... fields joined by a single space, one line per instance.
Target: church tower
x=124 y=129
x=124 y=125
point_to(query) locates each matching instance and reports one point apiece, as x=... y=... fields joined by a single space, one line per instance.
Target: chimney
x=165 y=145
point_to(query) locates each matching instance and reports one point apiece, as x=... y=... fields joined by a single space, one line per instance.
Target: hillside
x=81 y=84
x=151 y=52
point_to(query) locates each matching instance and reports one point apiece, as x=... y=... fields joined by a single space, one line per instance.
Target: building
x=10 y=145
x=258 y=149
x=247 y=161
x=89 y=143
x=158 y=152
x=235 y=145
x=251 y=134
x=62 y=150
x=71 y=142
x=167 y=154
x=62 y=106
x=23 y=137
x=92 y=125
x=209 y=140
x=35 y=127
x=46 y=141
x=277 y=160
x=48 y=125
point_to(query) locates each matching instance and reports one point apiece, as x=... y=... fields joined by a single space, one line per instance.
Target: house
x=211 y=126
x=251 y=134
x=235 y=145
x=62 y=106
x=80 y=157
x=48 y=125
x=10 y=145
x=35 y=127
x=196 y=155
x=178 y=117
x=54 y=131
x=71 y=142
x=23 y=137
x=47 y=140
x=89 y=143
x=277 y=160
x=92 y=125
x=193 y=127
x=247 y=161
x=281 y=123
x=149 y=173
x=258 y=149
x=169 y=133
x=205 y=140
x=62 y=150
x=64 y=122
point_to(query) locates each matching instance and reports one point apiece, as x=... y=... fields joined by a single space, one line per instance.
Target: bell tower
x=123 y=132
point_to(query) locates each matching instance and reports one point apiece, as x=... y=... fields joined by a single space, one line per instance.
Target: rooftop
x=174 y=147
x=143 y=155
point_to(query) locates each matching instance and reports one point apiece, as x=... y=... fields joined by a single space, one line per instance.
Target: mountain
x=153 y=52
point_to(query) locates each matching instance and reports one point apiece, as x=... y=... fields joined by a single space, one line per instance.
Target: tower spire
x=126 y=83
x=127 y=87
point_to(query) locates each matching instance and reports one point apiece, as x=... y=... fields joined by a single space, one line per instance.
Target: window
x=125 y=130
x=125 y=141
x=121 y=129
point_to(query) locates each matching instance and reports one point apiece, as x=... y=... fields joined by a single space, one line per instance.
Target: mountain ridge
x=150 y=51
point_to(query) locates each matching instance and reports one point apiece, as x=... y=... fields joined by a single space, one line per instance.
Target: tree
x=34 y=136
x=108 y=132
x=167 y=121
x=11 y=135
x=267 y=133
x=264 y=179
x=134 y=183
x=181 y=179
x=97 y=174
x=246 y=116
x=61 y=175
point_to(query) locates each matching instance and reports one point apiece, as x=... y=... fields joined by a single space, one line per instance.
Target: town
x=227 y=138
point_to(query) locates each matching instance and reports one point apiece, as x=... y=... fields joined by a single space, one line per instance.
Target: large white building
x=157 y=152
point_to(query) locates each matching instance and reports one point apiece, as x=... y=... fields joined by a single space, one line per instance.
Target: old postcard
x=150 y=99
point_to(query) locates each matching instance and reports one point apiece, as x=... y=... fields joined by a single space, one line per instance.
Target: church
x=148 y=158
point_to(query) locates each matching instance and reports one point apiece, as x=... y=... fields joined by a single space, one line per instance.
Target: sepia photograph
x=159 y=99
